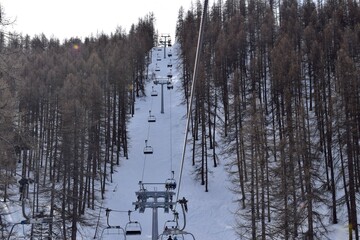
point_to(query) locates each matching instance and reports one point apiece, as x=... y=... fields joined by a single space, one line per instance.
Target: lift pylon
x=162 y=82
x=154 y=200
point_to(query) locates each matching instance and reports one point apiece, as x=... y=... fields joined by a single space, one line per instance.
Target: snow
x=210 y=215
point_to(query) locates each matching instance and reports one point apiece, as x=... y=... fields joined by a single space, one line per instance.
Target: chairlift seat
x=151 y=118
x=169 y=65
x=113 y=231
x=153 y=92
x=170 y=86
x=133 y=228
x=170 y=184
x=133 y=232
x=169 y=54
x=169 y=75
x=148 y=150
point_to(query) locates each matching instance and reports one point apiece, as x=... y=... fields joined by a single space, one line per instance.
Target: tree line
x=64 y=110
x=278 y=102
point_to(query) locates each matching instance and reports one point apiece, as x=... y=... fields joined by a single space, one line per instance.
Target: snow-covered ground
x=210 y=214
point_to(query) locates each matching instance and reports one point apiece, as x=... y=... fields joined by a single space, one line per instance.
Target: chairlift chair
x=169 y=43
x=133 y=227
x=158 y=58
x=169 y=65
x=176 y=234
x=169 y=75
x=157 y=68
x=111 y=230
x=148 y=149
x=169 y=54
x=169 y=226
x=153 y=92
x=170 y=183
x=169 y=85
x=151 y=118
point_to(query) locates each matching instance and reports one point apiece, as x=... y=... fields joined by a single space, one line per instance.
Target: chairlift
x=170 y=224
x=169 y=85
x=169 y=65
x=153 y=92
x=169 y=43
x=111 y=231
x=157 y=68
x=159 y=49
x=151 y=118
x=148 y=149
x=176 y=234
x=169 y=75
x=170 y=183
x=158 y=58
x=169 y=54
x=133 y=227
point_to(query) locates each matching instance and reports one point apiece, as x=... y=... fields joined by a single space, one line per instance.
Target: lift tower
x=154 y=200
x=162 y=81
x=165 y=42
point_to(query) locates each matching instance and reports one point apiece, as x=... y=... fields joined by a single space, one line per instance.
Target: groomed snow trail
x=210 y=214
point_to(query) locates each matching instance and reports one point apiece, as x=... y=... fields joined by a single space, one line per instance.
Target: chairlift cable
x=147 y=137
x=144 y=163
x=171 y=160
x=143 y=170
x=197 y=59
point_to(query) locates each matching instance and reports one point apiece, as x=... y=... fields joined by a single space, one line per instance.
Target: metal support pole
x=160 y=199
x=161 y=81
x=162 y=97
x=155 y=229
x=165 y=42
x=165 y=49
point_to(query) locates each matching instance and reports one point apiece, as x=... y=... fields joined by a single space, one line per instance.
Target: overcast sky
x=80 y=18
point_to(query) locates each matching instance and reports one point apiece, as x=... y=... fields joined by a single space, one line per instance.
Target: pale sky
x=81 y=18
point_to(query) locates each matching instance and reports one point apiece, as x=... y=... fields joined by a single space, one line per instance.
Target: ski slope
x=209 y=214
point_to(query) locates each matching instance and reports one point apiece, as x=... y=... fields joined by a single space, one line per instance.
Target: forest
x=277 y=102
x=63 y=119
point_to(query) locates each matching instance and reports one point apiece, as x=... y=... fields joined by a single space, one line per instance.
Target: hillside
x=210 y=214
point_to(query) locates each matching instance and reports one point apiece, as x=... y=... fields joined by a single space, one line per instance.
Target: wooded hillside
x=280 y=81
x=64 y=109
